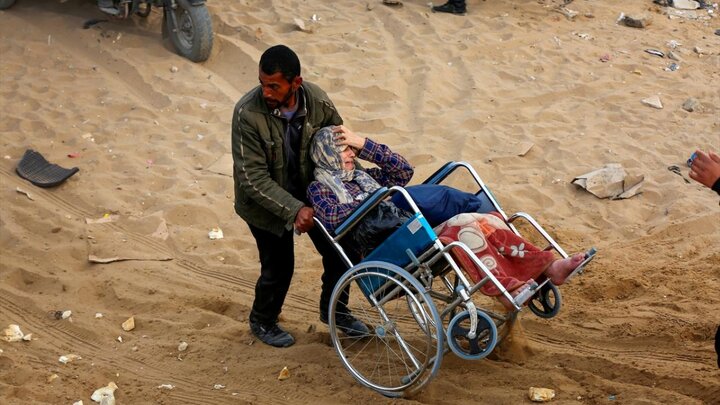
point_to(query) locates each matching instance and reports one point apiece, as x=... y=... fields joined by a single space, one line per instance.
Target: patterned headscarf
x=329 y=171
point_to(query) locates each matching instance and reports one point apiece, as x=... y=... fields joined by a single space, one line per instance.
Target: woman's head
x=328 y=155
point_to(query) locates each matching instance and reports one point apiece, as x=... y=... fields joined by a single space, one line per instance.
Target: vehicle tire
x=193 y=36
x=6 y=4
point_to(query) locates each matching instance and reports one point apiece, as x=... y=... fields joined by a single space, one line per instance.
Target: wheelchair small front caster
x=546 y=303
x=474 y=348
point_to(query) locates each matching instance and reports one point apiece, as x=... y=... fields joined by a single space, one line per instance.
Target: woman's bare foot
x=560 y=269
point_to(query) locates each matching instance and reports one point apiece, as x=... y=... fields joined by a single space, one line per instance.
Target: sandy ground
x=636 y=328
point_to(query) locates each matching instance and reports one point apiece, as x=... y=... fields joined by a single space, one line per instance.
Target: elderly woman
x=340 y=187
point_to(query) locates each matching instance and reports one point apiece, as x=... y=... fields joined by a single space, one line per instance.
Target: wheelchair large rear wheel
x=404 y=348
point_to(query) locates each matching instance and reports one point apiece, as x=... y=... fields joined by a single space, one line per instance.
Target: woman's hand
x=344 y=136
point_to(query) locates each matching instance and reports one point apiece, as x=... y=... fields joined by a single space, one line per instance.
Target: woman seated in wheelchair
x=340 y=186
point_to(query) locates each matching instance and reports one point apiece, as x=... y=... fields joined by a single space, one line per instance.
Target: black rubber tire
x=193 y=38
x=6 y=4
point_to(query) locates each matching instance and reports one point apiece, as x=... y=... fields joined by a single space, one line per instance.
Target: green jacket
x=258 y=156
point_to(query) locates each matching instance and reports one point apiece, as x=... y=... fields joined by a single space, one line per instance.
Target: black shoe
x=348 y=324
x=451 y=8
x=272 y=334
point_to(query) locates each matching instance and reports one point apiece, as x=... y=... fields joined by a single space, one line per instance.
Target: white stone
x=182 y=346
x=105 y=395
x=653 y=102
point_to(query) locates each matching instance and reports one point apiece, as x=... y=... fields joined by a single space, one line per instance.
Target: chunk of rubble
x=105 y=395
x=653 y=101
x=129 y=324
x=540 y=394
x=13 y=334
x=69 y=358
x=182 y=346
x=52 y=378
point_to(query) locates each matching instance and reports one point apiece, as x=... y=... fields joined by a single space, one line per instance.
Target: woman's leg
x=558 y=270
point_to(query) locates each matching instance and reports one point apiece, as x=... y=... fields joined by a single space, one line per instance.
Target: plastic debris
x=98 y=315
x=610 y=181
x=73 y=155
x=218 y=386
x=653 y=101
x=215 y=233
x=284 y=374
x=78 y=403
x=129 y=324
x=182 y=346
x=540 y=394
x=105 y=395
x=686 y=4
x=672 y=67
x=300 y=24
x=69 y=358
x=13 y=334
x=120 y=339
x=66 y=314
x=21 y=191
x=166 y=386
x=655 y=52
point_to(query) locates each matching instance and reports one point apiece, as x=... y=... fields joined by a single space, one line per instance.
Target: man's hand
x=304 y=220
x=344 y=136
x=705 y=168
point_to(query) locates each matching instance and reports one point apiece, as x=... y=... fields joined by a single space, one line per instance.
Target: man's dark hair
x=280 y=58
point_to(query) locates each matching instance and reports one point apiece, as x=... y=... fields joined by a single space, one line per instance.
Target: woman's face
x=348 y=159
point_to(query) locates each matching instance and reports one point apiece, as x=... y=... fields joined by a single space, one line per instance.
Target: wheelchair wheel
x=404 y=348
x=546 y=303
x=472 y=348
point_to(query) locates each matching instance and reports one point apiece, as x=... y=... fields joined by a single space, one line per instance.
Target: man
x=452 y=6
x=271 y=131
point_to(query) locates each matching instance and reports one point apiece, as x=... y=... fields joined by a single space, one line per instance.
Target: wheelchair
x=418 y=303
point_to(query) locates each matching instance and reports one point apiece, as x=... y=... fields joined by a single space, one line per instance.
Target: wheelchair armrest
x=369 y=203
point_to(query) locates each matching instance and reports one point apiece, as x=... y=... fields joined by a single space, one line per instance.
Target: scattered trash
x=69 y=358
x=38 y=171
x=300 y=24
x=14 y=334
x=98 y=315
x=78 y=403
x=540 y=394
x=676 y=169
x=655 y=52
x=673 y=44
x=672 y=55
x=174 y=69
x=120 y=339
x=65 y=314
x=672 y=67
x=129 y=324
x=216 y=233
x=52 y=378
x=166 y=386
x=612 y=397
x=583 y=35
x=105 y=219
x=284 y=374
x=182 y=346
x=691 y=159
x=685 y=4
x=21 y=191
x=218 y=386
x=105 y=395
x=634 y=22
x=653 y=101
x=699 y=51
x=73 y=155
x=691 y=105
x=569 y=14
x=605 y=58
x=610 y=181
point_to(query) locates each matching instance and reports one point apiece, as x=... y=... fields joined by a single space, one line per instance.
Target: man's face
x=277 y=91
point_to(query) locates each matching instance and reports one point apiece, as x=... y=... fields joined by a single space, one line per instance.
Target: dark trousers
x=277 y=265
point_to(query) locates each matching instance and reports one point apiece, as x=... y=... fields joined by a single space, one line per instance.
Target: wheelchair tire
x=472 y=348
x=546 y=303
x=404 y=349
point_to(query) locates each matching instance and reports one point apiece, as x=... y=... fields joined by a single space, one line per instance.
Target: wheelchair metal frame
x=416 y=279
